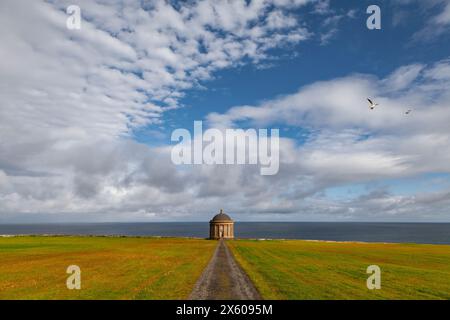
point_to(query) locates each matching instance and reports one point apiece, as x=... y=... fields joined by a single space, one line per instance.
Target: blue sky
x=353 y=49
x=87 y=132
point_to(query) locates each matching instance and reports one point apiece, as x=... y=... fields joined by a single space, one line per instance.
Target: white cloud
x=440 y=71
x=70 y=98
x=341 y=103
x=127 y=64
x=383 y=143
x=403 y=77
x=434 y=13
x=443 y=18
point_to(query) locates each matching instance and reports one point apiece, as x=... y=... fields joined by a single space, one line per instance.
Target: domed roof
x=221 y=216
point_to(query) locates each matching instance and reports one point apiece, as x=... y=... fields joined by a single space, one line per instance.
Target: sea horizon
x=236 y=221
x=387 y=232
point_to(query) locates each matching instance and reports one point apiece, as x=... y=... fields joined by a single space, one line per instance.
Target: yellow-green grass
x=111 y=267
x=295 y=269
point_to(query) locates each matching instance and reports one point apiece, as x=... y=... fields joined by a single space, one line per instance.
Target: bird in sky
x=408 y=111
x=372 y=105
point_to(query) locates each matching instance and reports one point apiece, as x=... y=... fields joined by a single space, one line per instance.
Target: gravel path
x=223 y=279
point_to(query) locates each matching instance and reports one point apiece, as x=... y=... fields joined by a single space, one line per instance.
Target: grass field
x=111 y=268
x=285 y=269
x=167 y=268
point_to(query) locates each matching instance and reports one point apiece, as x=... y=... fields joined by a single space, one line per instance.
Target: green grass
x=294 y=269
x=167 y=268
x=111 y=268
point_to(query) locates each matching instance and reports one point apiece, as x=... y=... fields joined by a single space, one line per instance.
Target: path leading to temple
x=223 y=279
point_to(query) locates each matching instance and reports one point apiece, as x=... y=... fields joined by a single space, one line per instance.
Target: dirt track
x=223 y=279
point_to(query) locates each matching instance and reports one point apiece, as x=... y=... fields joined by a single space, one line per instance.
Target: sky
x=86 y=116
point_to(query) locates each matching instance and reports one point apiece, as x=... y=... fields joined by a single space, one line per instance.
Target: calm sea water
x=438 y=233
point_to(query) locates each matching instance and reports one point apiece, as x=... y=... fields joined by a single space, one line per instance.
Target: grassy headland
x=295 y=269
x=167 y=268
x=111 y=268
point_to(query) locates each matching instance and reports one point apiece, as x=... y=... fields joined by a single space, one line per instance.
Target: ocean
x=433 y=233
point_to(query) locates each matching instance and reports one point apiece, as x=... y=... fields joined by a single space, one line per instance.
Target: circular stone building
x=221 y=226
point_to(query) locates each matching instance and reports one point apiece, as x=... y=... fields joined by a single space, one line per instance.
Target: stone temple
x=221 y=226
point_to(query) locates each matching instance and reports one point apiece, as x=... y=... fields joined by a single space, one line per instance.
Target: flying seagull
x=408 y=112
x=371 y=104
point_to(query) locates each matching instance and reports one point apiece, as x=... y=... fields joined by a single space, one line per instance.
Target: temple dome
x=221 y=217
